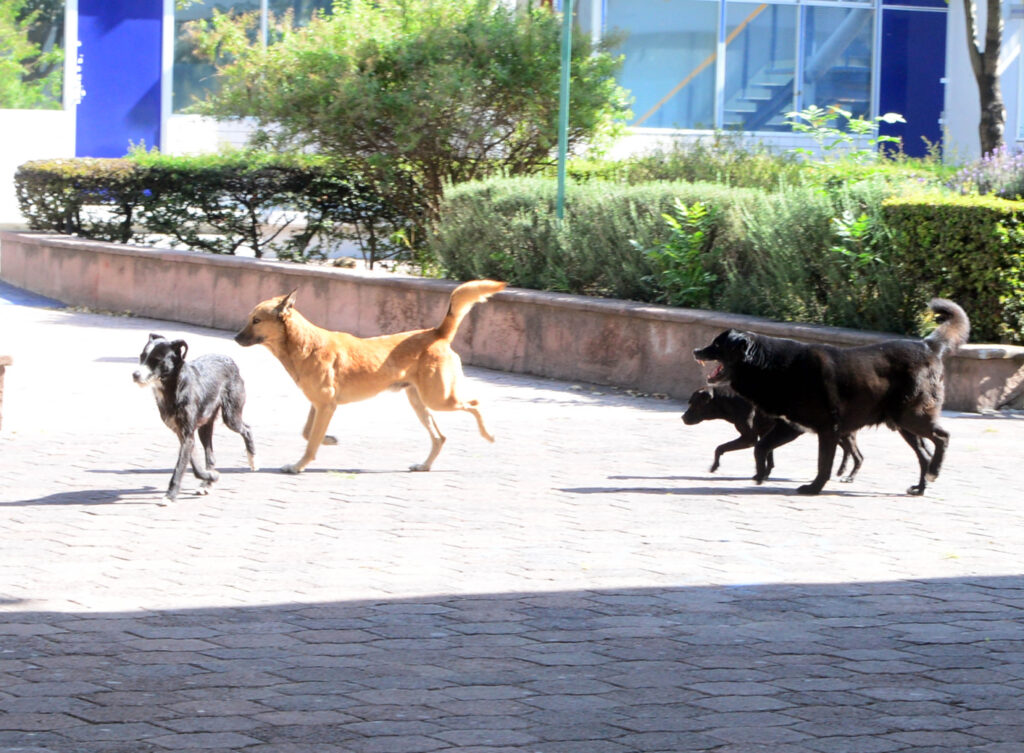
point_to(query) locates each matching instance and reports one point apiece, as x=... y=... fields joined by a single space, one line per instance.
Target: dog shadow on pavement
x=87 y=497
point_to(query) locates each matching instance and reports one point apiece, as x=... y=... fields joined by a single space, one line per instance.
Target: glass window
x=194 y=78
x=670 y=48
x=760 y=66
x=837 y=58
x=32 y=41
x=303 y=10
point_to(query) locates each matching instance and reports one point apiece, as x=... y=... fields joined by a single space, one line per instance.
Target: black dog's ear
x=154 y=336
x=181 y=348
x=287 y=302
x=746 y=342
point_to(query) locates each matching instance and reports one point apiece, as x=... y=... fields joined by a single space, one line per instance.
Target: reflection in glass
x=760 y=66
x=670 y=59
x=194 y=78
x=837 y=58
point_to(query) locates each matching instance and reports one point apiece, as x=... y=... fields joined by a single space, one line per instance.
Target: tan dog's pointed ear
x=286 y=303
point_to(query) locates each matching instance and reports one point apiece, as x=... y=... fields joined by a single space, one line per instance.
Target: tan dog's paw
x=291 y=468
x=419 y=468
x=330 y=439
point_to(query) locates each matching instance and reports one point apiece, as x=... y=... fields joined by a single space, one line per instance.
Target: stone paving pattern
x=583 y=585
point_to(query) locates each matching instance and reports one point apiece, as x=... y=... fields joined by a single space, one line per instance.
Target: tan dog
x=332 y=368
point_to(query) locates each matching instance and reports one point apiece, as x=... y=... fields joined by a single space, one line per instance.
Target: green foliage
x=801 y=253
x=680 y=261
x=289 y=206
x=507 y=228
x=444 y=91
x=91 y=198
x=802 y=259
x=823 y=125
x=724 y=158
x=30 y=76
x=967 y=248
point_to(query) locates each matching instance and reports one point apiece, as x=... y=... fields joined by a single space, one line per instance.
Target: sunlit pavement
x=582 y=585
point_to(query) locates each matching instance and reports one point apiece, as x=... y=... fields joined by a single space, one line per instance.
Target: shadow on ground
x=934 y=665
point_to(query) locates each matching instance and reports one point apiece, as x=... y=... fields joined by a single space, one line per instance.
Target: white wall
x=29 y=135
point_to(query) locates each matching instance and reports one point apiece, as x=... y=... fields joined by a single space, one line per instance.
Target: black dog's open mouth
x=717 y=375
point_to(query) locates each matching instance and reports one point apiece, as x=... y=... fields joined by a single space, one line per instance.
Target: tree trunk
x=985 y=64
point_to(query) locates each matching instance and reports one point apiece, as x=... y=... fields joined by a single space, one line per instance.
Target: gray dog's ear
x=181 y=348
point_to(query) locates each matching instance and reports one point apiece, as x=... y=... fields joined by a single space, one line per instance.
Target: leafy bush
x=841 y=136
x=507 y=228
x=816 y=256
x=92 y=198
x=290 y=206
x=723 y=158
x=681 y=265
x=797 y=254
x=447 y=90
x=30 y=75
x=967 y=248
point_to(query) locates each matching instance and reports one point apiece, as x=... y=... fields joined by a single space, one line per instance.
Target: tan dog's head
x=266 y=321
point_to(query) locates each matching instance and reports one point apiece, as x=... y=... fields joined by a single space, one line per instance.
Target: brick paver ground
x=584 y=585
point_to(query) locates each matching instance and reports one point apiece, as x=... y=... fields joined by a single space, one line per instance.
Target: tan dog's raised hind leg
x=321 y=418
x=436 y=437
x=470 y=406
x=328 y=438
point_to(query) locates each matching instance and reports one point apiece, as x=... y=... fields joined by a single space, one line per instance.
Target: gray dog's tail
x=954 y=326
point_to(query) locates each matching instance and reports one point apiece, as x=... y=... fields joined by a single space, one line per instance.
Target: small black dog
x=189 y=396
x=709 y=403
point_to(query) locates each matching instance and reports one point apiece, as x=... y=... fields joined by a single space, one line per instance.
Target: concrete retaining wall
x=631 y=345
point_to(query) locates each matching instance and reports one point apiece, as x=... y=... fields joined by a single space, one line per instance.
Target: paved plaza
x=583 y=585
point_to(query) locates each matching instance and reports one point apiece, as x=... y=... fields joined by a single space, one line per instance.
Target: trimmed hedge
x=290 y=206
x=507 y=228
x=967 y=248
x=851 y=256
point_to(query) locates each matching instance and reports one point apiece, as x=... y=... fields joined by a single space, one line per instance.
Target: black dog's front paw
x=812 y=488
x=714 y=467
x=916 y=490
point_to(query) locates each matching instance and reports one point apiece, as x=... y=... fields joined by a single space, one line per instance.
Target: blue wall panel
x=120 y=52
x=913 y=65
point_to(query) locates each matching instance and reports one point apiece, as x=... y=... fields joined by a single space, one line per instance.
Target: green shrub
x=796 y=254
x=507 y=228
x=91 y=198
x=447 y=90
x=967 y=248
x=681 y=262
x=806 y=254
x=724 y=158
x=290 y=206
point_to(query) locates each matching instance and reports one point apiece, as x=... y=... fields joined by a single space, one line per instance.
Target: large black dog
x=189 y=395
x=834 y=391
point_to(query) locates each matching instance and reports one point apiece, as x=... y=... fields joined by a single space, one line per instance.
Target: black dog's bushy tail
x=954 y=326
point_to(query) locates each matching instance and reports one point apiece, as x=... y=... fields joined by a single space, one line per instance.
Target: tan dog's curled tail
x=462 y=300
x=954 y=326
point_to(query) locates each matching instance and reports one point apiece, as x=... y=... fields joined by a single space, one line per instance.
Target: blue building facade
x=691 y=65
